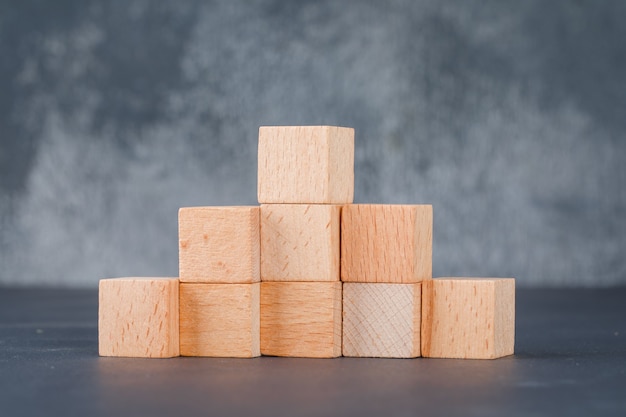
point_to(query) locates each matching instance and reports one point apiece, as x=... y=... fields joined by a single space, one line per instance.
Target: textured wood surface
x=386 y=243
x=219 y=244
x=468 y=318
x=301 y=319
x=300 y=242
x=138 y=317
x=381 y=320
x=306 y=164
x=220 y=320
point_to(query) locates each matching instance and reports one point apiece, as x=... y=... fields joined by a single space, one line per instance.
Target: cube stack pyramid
x=307 y=273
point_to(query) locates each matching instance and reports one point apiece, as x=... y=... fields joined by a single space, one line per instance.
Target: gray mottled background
x=508 y=116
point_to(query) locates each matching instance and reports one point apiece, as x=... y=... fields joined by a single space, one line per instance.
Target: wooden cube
x=301 y=319
x=219 y=244
x=386 y=243
x=468 y=318
x=306 y=164
x=220 y=320
x=381 y=320
x=138 y=317
x=300 y=242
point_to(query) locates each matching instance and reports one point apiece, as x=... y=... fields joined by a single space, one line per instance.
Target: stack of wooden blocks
x=307 y=274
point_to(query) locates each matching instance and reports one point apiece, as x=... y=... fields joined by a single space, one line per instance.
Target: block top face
x=306 y=164
x=219 y=244
x=466 y=279
x=386 y=243
x=140 y=280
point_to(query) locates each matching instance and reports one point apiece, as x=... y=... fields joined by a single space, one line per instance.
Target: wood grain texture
x=301 y=319
x=306 y=164
x=138 y=317
x=468 y=318
x=386 y=243
x=381 y=320
x=300 y=242
x=219 y=244
x=219 y=320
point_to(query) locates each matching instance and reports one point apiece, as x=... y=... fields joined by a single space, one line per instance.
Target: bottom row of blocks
x=445 y=318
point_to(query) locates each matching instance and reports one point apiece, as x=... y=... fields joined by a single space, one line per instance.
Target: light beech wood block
x=138 y=317
x=219 y=320
x=300 y=242
x=386 y=243
x=219 y=244
x=468 y=318
x=301 y=319
x=306 y=164
x=381 y=320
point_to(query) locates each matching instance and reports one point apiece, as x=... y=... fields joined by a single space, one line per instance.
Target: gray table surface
x=570 y=360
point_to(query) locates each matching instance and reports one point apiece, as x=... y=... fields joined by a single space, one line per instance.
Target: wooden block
x=468 y=318
x=138 y=317
x=306 y=164
x=301 y=319
x=386 y=243
x=300 y=242
x=381 y=320
x=219 y=244
x=220 y=320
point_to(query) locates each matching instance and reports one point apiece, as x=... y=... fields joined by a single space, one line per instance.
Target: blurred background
x=509 y=117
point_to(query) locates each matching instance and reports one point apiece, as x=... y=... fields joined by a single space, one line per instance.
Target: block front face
x=468 y=318
x=306 y=164
x=386 y=243
x=381 y=320
x=138 y=317
x=220 y=320
x=219 y=244
x=301 y=319
x=300 y=242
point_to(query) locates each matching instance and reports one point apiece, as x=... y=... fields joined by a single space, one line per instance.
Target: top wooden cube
x=306 y=165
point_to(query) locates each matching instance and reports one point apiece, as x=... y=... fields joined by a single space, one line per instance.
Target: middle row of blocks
x=306 y=242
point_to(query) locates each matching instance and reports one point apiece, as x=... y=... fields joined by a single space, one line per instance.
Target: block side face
x=299 y=319
x=264 y=162
x=427 y=318
x=386 y=243
x=300 y=242
x=218 y=320
x=461 y=319
x=417 y=320
x=219 y=244
x=341 y=165
x=379 y=320
x=256 y=319
x=254 y=241
x=423 y=238
x=173 y=313
x=337 y=318
x=138 y=317
x=504 y=317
